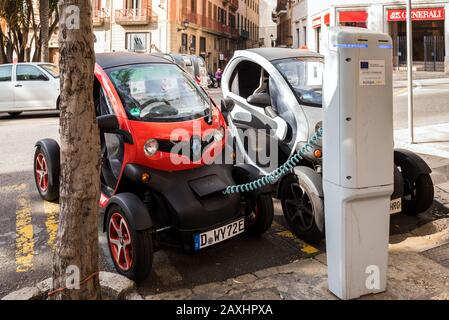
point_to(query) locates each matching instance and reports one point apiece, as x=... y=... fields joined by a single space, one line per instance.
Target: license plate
x=209 y=238
x=396 y=206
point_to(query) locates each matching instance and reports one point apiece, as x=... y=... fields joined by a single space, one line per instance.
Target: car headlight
x=219 y=134
x=150 y=148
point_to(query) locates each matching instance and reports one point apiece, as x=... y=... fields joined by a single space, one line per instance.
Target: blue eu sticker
x=364 y=65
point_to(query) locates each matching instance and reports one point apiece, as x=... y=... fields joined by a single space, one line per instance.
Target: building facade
x=213 y=29
x=430 y=26
x=267 y=27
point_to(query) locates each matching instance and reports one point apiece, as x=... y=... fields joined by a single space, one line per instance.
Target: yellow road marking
x=24 y=235
x=277 y=227
x=51 y=222
x=304 y=247
x=13 y=188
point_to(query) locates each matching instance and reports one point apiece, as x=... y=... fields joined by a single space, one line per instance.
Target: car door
x=33 y=89
x=256 y=127
x=6 y=88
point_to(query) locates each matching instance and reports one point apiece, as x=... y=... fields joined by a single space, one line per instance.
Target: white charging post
x=358 y=159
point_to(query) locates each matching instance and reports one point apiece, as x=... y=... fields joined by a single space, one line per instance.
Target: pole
x=410 y=71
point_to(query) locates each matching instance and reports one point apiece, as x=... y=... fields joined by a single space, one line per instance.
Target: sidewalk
x=418 y=265
x=418 y=75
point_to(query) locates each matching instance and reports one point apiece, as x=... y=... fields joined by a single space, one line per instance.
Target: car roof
x=118 y=59
x=272 y=54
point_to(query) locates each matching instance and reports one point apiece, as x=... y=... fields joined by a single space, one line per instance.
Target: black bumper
x=194 y=197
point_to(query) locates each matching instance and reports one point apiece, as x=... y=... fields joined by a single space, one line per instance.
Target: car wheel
x=44 y=176
x=261 y=217
x=131 y=250
x=302 y=209
x=14 y=114
x=419 y=195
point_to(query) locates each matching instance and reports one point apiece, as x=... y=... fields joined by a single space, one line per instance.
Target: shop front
x=428 y=36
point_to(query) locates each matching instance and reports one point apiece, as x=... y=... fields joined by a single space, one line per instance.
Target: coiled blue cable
x=279 y=172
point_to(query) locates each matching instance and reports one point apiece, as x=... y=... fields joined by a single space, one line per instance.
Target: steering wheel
x=157 y=107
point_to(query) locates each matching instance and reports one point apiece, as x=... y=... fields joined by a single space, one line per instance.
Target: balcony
x=191 y=17
x=133 y=17
x=218 y=27
x=234 y=4
x=100 y=17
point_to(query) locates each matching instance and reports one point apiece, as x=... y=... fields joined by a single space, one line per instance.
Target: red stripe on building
x=316 y=23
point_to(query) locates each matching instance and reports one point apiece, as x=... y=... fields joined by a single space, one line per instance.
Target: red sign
x=353 y=16
x=417 y=14
x=327 y=19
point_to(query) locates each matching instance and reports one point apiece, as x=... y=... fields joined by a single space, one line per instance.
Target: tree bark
x=77 y=240
x=44 y=11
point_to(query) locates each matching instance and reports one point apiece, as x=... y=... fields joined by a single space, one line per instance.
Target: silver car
x=28 y=87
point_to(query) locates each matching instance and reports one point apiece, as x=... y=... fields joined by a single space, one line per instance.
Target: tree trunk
x=44 y=20
x=77 y=240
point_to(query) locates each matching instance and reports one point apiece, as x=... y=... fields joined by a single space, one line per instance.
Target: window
x=203 y=48
x=159 y=93
x=5 y=73
x=136 y=41
x=184 y=42
x=30 y=73
x=51 y=69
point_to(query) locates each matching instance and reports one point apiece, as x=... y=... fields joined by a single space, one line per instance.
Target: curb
x=113 y=287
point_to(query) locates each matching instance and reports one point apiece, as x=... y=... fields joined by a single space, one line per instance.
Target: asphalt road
x=28 y=225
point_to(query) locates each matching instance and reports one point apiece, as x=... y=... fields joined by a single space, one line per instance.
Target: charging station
x=358 y=159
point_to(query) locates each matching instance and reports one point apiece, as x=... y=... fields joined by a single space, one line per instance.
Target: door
x=258 y=128
x=33 y=89
x=434 y=53
x=6 y=88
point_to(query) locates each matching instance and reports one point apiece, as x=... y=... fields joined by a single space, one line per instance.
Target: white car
x=29 y=87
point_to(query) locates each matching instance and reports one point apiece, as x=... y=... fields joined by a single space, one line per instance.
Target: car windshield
x=51 y=69
x=159 y=93
x=305 y=77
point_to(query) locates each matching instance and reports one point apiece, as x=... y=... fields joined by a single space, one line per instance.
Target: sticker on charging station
x=372 y=72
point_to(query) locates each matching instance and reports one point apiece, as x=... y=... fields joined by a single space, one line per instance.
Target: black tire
x=14 y=114
x=263 y=216
x=419 y=195
x=49 y=189
x=302 y=209
x=141 y=248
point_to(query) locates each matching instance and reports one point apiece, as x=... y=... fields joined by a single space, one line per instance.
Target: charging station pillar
x=358 y=164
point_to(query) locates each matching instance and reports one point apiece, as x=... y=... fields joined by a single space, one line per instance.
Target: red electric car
x=159 y=133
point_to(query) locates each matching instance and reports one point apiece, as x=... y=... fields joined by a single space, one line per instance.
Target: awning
x=421 y=14
x=316 y=23
x=352 y=16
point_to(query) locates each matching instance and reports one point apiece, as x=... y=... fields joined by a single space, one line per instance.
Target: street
x=28 y=226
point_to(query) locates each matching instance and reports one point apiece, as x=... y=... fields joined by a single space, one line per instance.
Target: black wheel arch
x=135 y=210
x=51 y=147
x=411 y=164
x=244 y=173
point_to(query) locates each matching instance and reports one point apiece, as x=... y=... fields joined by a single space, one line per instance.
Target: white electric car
x=279 y=91
x=28 y=87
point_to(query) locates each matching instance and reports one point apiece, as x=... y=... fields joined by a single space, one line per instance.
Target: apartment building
x=213 y=29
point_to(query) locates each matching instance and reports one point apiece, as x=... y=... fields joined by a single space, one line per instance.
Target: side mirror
x=108 y=123
x=261 y=100
x=227 y=105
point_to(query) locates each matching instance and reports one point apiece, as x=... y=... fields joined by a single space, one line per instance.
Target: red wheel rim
x=41 y=172
x=120 y=242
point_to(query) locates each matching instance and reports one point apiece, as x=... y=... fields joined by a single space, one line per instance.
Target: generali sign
x=417 y=14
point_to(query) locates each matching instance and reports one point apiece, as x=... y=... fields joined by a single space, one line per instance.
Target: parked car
x=28 y=87
x=280 y=89
x=194 y=65
x=157 y=191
